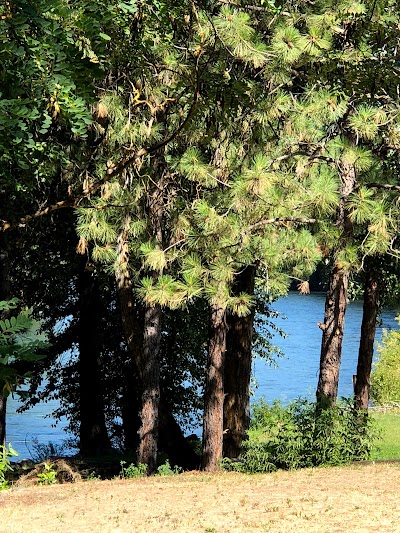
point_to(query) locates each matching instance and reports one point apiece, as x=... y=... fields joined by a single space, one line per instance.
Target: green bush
x=132 y=471
x=166 y=469
x=48 y=476
x=298 y=436
x=5 y=464
x=385 y=378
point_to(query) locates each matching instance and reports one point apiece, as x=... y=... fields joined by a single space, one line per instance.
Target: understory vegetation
x=385 y=378
x=281 y=437
x=300 y=436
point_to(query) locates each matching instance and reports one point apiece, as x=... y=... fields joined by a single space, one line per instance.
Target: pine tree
x=340 y=132
x=229 y=199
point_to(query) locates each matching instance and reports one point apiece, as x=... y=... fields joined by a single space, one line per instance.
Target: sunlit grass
x=389 y=424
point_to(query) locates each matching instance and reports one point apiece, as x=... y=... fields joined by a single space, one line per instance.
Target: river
x=296 y=374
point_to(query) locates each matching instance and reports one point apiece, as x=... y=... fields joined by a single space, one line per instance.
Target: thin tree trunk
x=368 y=328
x=148 y=433
x=237 y=370
x=171 y=437
x=214 y=391
x=336 y=302
x=5 y=294
x=93 y=435
x=332 y=337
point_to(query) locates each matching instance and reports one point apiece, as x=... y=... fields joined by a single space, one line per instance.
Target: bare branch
x=280 y=221
x=386 y=186
x=63 y=204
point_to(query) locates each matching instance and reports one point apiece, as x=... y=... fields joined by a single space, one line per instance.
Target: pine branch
x=113 y=169
x=280 y=221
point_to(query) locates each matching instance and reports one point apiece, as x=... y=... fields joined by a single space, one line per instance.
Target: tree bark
x=5 y=294
x=237 y=370
x=336 y=302
x=368 y=328
x=93 y=435
x=148 y=433
x=332 y=337
x=214 y=391
x=144 y=346
x=170 y=434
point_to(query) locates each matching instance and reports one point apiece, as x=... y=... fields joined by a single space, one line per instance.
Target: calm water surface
x=297 y=372
x=296 y=375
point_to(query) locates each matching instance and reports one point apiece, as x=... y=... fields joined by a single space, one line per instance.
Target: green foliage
x=5 y=464
x=132 y=471
x=93 y=477
x=137 y=471
x=385 y=377
x=297 y=436
x=20 y=340
x=166 y=470
x=48 y=476
x=259 y=112
x=50 y=53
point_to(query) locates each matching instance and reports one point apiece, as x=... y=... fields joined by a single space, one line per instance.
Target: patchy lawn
x=356 y=498
x=388 y=423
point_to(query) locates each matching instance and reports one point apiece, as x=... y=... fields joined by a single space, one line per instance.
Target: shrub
x=5 y=464
x=132 y=471
x=299 y=435
x=385 y=378
x=166 y=469
x=140 y=470
x=48 y=476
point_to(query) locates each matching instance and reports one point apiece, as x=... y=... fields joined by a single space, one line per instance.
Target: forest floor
x=358 y=498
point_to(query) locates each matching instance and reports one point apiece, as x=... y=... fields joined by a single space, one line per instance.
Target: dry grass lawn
x=358 y=498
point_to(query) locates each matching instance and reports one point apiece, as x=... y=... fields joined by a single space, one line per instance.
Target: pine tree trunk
x=237 y=370
x=332 y=337
x=144 y=347
x=5 y=294
x=148 y=433
x=366 y=350
x=93 y=435
x=336 y=302
x=214 y=391
x=171 y=436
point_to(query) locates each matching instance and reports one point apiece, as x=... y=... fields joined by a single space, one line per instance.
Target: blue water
x=297 y=372
x=296 y=375
x=36 y=423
